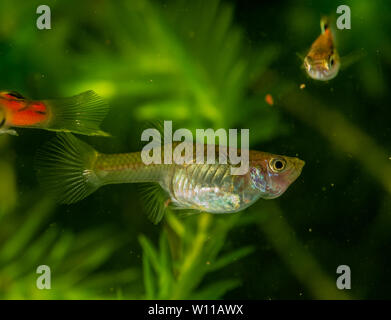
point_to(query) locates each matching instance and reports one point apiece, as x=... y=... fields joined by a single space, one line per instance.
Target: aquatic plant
x=30 y=237
x=190 y=62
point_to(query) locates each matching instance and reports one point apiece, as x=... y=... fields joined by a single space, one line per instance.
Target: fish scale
x=205 y=187
x=127 y=167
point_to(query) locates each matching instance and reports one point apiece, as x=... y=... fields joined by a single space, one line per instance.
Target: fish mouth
x=299 y=164
x=296 y=172
x=284 y=183
x=315 y=64
x=319 y=70
x=321 y=74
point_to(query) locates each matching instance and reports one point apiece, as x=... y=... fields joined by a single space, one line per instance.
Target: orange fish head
x=323 y=67
x=273 y=174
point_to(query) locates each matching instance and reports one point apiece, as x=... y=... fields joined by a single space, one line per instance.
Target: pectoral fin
x=352 y=58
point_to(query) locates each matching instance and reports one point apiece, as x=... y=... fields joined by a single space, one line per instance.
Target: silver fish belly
x=210 y=188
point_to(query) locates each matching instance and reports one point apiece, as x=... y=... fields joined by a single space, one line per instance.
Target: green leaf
x=149 y=281
x=230 y=258
x=215 y=290
x=150 y=252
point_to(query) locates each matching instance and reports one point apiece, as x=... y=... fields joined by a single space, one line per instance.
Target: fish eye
x=277 y=165
x=332 y=60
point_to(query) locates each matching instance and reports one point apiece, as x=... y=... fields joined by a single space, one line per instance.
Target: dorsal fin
x=324 y=24
x=158 y=127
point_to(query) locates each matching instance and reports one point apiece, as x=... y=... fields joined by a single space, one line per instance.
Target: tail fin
x=81 y=114
x=65 y=168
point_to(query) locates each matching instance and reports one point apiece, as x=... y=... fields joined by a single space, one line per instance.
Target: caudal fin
x=81 y=114
x=65 y=168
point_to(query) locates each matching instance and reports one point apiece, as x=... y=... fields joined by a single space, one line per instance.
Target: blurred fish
x=81 y=114
x=322 y=61
x=71 y=170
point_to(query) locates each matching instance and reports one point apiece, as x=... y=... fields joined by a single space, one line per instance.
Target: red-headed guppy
x=322 y=61
x=80 y=114
x=70 y=170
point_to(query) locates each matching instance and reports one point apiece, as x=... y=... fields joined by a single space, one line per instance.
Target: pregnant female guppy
x=71 y=170
x=81 y=114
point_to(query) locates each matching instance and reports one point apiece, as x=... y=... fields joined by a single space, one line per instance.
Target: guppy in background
x=70 y=170
x=81 y=114
x=322 y=61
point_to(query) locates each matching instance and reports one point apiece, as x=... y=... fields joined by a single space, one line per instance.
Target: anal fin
x=156 y=201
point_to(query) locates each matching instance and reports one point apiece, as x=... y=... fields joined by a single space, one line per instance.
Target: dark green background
x=203 y=64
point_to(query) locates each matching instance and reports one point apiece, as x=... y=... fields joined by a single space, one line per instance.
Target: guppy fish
x=71 y=170
x=81 y=114
x=322 y=61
